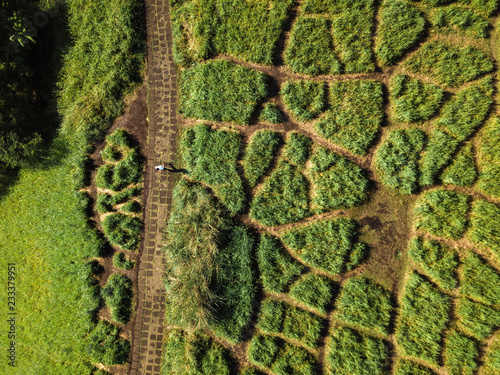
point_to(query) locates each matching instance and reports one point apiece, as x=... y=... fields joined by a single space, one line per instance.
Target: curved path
x=162 y=107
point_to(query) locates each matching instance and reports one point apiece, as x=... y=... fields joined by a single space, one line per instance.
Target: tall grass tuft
x=305 y=100
x=460 y=20
x=462 y=171
x=485 y=226
x=479 y=281
x=489 y=158
x=461 y=354
x=477 y=319
x=314 y=291
x=437 y=153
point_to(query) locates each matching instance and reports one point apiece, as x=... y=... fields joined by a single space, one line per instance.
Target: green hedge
x=120 y=260
x=461 y=354
x=489 y=158
x=479 y=281
x=462 y=171
x=485 y=226
x=411 y=368
x=271 y=114
x=477 y=319
x=123 y=230
x=437 y=153
x=305 y=100
x=104 y=345
x=314 y=291
x=461 y=21
x=118 y=294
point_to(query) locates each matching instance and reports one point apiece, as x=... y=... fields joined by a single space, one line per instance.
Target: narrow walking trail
x=162 y=108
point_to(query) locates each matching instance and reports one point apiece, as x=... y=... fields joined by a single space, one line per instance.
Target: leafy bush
x=484 y=7
x=127 y=171
x=104 y=203
x=221 y=91
x=110 y=153
x=211 y=156
x=132 y=207
x=325 y=245
x=250 y=371
x=437 y=260
x=104 y=345
x=277 y=268
x=448 y=65
x=396 y=160
x=297 y=149
x=104 y=176
x=422 y=319
x=466 y=111
x=492 y=358
x=305 y=100
x=310 y=48
x=401 y=26
x=259 y=154
x=477 y=319
x=480 y=282
x=314 y=291
x=120 y=138
x=485 y=224
x=442 y=213
x=364 y=303
x=355 y=115
x=118 y=294
x=462 y=172
x=336 y=182
x=461 y=354
x=411 y=368
x=462 y=21
x=489 y=158
x=125 y=195
x=271 y=114
x=120 y=260
x=438 y=151
x=414 y=100
x=350 y=353
x=123 y=230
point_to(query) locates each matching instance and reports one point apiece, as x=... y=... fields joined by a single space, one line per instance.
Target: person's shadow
x=175 y=170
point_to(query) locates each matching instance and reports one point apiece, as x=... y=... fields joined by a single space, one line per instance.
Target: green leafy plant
x=118 y=294
x=462 y=172
x=104 y=345
x=123 y=230
x=133 y=207
x=297 y=149
x=104 y=203
x=110 y=153
x=437 y=153
x=314 y=291
x=461 y=21
x=120 y=260
x=270 y=113
x=305 y=100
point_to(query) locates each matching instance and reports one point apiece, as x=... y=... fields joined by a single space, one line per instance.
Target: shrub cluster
x=479 y=281
x=314 y=291
x=355 y=114
x=461 y=21
x=401 y=26
x=117 y=176
x=118 y=294
x=123 y=230
x=104 y=345
x=271 y=114
x=477 y=319
x=489 y=158
x=461 y=354
x=437 y=153
x=120 y=260
x=485 y=226
x=462 y=172
x=305 y=100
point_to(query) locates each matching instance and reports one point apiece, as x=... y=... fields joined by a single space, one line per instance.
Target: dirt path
x=162 y=106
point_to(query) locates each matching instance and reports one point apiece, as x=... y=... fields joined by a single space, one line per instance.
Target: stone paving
x=162 y=104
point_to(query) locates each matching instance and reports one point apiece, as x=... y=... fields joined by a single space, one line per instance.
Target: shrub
x=325 y=245
x=489 y=158
x=484 y=7
x=271 y=114
x=123 y=230
x=461 y=21
x=305 y=100
x=350 y=353
x=485 y=224
x=401 y=26
x=477 y=319
x=437 y=260
x=132 y=207
x=310 y=48
x=128 y=171
x=336 y=182
x=212 y=158
x=259 y=154
x=492 y=358
x=104 y=176
x=438 y=151
x=221 y=91
x=119 y=138
x=118 y=294
x=396 y=160
x=283 y=197
x=411 y=368
x=314 y=291
x=460 y=354
x=364 y=303
x=480 y=282
x=297 y=149
x=120 y=260
x=277 y=268
x=103 y=203
x=414 y=100
x=442 y=213
x=423 y=316
x=465 y=112
x=355 y=115
x=110 y=153
x=448 y=65
x=125 y=195
x=104 y=345
x=462 y=172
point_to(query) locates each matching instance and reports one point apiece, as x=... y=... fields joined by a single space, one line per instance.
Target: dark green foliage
x=111 y=153
x=127 y=171
x=125 y=195
x=484 y=7
x=310 y=49
x=120 y=138
x=259 y=154
x=364 y=303
x=314 y=291
x=101 y=372
x=193 y=354
x=283 y=198
x=437 y=260
x=297 y=149
x=477 y=319
x=350 y=353
x=401 y=26
x=104 y=176
x=422 y=319
x=354 y=116
x=414 y=100
x=489 y=158
x=262 y=350
x=277 y=268
x=485 y=226
x=271 y=114
x=118 y=294
x=250 y=371
x=89 y=288
x=123 y=230
x=325 y=244
x=480 y=282
x=438 y=152
x=305 y=100
x=396 y=160
x=221 y=91
x=104 y=345
x=104 y=203
x=120 y=260
x=462 y=21
x=132 y=207
x=461 y=354
x=336 y=181
x=410 y=368
x=442 y=213
x=462 y=172
x=448 y=65
x=211 y=156
x=466 y=111
x=492 y=361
